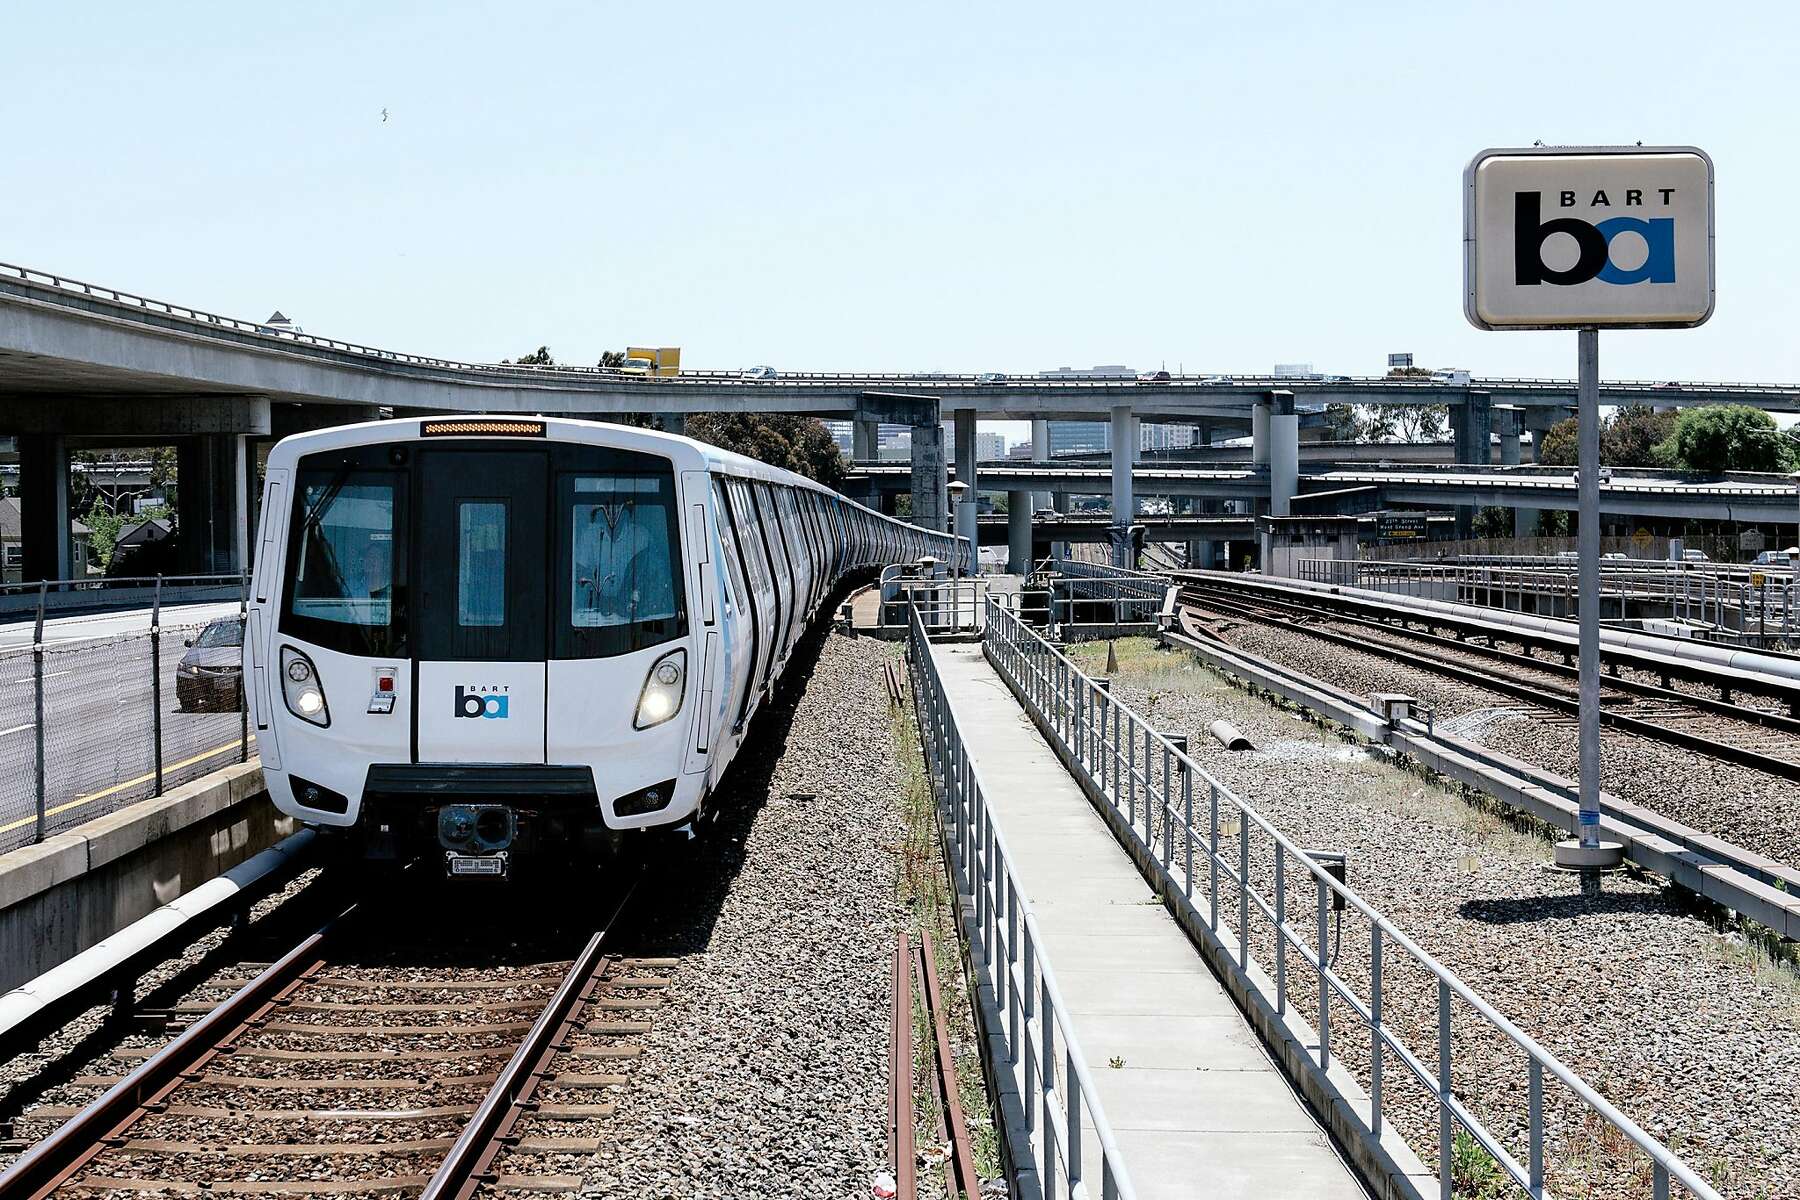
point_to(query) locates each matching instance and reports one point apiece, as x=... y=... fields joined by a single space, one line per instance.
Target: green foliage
x=1342 y=424
x=105 y=525
x=1492 y=523
x=1728 y=437
x=1474 y=1175
x=537 y=358
x=612 y=358
x=794 y=443
x=1633 y=437
x=1558 y=446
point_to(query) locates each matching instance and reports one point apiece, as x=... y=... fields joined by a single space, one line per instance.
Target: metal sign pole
x=1587 y=548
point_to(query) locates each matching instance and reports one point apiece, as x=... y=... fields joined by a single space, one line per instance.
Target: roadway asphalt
x=99 y=751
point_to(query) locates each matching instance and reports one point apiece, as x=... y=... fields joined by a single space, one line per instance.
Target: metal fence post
x=156 y=682
x=37 y=693
x=243 y=676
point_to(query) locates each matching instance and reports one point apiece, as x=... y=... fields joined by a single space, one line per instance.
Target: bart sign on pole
x=1586 y=238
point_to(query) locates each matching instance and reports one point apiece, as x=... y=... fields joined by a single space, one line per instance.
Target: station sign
x=1402 y=527
x=1588 y=236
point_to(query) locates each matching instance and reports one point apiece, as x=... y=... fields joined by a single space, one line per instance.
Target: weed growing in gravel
x=1474 y=1175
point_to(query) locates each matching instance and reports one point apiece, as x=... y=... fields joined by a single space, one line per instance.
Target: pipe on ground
x=1229 y=736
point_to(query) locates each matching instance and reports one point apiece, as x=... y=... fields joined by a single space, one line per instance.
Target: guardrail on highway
x=93 y=718
x=1056 y=1090
x=1199 y=383
x=1150 y=785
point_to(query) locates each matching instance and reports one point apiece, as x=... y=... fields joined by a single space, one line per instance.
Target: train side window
x=734 y=566
x=623 y=587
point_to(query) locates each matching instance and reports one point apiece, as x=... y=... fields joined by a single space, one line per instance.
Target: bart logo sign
x=1589 y=236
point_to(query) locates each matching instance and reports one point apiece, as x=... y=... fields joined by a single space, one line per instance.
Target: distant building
x=840 y=433
x=990 y=446
x=279 y=323
x=12 y=543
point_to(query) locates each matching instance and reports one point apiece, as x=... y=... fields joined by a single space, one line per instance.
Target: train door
x=480 y=624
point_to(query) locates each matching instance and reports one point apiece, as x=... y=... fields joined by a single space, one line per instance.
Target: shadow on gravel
x=687 y=882
x=1513 y=910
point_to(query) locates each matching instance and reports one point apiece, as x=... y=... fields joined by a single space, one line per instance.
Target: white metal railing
x=1056 y=1091
x=1150 y=784
x=1697 y=593
x=948 y=604
x=1088 y=594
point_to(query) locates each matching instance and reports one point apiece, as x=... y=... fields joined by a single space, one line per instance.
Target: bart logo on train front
x=473 y=702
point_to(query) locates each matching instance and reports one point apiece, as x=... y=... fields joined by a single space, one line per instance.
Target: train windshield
x=341 y=577
x=623 y=571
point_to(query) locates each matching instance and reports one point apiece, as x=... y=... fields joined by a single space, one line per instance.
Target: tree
x=1559 y=446
x=1342 y=424
x=793 y=443
x=1728 y=437
x=612 y=358
x=537 y=358
x=1633 y=436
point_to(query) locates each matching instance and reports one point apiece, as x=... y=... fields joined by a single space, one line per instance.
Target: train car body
x=488 y=638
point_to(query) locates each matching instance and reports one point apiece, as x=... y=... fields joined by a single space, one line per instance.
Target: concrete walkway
x=1197 y=1106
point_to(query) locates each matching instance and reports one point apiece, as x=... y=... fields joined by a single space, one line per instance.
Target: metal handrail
x=1010 y=951
x=100 y=582
x=1103 y=736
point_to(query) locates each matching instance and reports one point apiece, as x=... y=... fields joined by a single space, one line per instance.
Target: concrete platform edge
x=77 y=888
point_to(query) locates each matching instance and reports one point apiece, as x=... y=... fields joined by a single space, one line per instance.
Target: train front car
x=473 y=638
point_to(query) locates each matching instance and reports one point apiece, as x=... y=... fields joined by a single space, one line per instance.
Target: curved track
x=1742 y=735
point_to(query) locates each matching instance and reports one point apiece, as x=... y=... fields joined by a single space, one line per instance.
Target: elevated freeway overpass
x=80 y=360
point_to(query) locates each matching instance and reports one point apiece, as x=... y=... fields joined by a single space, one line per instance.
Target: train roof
x=710 y=458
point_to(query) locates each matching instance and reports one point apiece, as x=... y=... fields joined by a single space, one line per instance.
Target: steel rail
x=1699 y=743
x=66 y=1152
x=1723 y=708
x=469 y=1161
x=962 y=1155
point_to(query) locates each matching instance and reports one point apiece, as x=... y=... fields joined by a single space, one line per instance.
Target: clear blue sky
x=918 y=186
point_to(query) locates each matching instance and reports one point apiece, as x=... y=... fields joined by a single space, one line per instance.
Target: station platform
x=1196 y=1103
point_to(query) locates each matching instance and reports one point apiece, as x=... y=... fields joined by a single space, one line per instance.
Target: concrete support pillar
x=1259 y=433
x=44 y=508
x=1506 y=423
x=929 y=475
x=1040 y=453
x=1124 y=447
x=1472 y=427
x=1018 y=533
x=1200 y=554
x=1284 y=452
x=211 y=506
x=1538 y=421
x=966 y=473
x=865 y=440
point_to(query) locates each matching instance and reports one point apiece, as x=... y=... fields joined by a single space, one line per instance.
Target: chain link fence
x=89 y=724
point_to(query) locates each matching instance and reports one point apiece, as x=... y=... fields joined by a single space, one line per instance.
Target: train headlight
x=301 y=688
x=663 y=690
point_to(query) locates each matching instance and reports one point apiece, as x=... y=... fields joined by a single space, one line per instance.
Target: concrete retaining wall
x=70 y=891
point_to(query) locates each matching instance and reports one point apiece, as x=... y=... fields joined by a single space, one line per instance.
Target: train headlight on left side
x=663 y=690
x=301 y=688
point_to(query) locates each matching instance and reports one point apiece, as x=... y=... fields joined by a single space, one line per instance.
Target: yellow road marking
x=103 y=793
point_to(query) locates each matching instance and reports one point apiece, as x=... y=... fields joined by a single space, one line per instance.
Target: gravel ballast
x=766 y=1073
x=1690 y=1031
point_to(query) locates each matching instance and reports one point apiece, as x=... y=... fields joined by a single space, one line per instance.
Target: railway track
x=1742 y=735
x=329 y=1074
